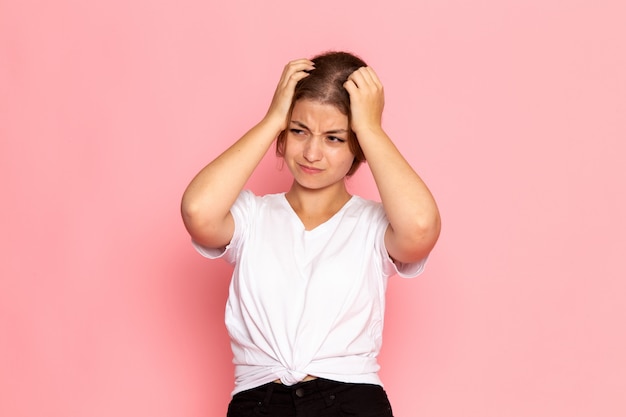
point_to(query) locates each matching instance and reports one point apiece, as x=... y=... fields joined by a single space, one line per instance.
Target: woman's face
x=316 y=149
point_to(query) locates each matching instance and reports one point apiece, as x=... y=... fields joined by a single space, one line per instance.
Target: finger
x=299 y=65
x=361 y=78
x=286 y=78
x=368 y=77
x=357 y=78
x=301 y=60
x=295 y=77
x=366 y=73
x=350 y=86
x=372 y=76
x=295 y=71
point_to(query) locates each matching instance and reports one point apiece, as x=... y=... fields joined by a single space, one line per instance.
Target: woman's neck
x=314 y=207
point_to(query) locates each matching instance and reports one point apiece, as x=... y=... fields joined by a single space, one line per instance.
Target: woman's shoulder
x=271 y=198
x=250 y=198
x=363 y=202
x=366 y=207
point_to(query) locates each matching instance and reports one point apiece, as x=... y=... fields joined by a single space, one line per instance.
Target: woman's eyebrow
x=333 y=131
x=300 y=124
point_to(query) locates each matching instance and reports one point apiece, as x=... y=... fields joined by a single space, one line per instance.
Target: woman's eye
x=336 y=139
x=297 y=131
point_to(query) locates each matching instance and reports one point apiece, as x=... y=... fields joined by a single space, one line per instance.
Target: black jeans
x=316 y=398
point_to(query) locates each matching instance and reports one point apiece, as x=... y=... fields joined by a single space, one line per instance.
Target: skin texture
x=318 y=156
x=319 y=161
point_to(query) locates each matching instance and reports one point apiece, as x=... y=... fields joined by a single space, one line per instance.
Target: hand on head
x=367 y=99
x=293 y=72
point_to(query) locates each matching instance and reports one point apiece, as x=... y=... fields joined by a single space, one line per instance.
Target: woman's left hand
x=367 y=100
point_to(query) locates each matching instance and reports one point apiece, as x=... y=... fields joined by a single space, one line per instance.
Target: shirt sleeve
x=391 y=267
x=241 y=212
x=409 y=270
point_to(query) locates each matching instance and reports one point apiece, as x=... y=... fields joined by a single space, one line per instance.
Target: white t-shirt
x=306 y=302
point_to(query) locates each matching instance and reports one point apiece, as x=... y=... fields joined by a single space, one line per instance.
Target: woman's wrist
x=272 y=124
x=369 y=133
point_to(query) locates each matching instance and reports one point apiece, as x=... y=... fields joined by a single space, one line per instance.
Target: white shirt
x=306 y=302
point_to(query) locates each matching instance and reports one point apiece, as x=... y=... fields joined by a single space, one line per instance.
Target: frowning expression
x=317 y=151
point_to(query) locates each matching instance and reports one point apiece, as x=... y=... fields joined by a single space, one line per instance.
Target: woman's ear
x=281 y=140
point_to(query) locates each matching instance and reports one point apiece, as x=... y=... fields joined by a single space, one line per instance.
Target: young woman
x=306 y=302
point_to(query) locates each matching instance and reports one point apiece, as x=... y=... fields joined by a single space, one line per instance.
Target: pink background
x=512 y=111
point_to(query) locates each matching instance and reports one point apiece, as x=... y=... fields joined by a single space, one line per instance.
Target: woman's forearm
x=409 y=205
x=207 y=200
x=212 y=192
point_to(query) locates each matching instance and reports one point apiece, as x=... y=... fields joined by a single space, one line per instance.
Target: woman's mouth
x=309 y=170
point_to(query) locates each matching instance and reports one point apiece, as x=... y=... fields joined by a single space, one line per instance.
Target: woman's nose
x=312 y=150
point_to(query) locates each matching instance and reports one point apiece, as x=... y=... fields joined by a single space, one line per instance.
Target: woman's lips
x=309 y=170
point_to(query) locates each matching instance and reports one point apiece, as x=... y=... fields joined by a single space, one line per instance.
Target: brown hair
x=325 y=85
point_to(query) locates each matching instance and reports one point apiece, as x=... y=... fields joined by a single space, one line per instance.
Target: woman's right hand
x=293 y=72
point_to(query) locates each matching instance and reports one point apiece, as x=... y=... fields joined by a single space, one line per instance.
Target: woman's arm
x=414 y=221
x=206 y=203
